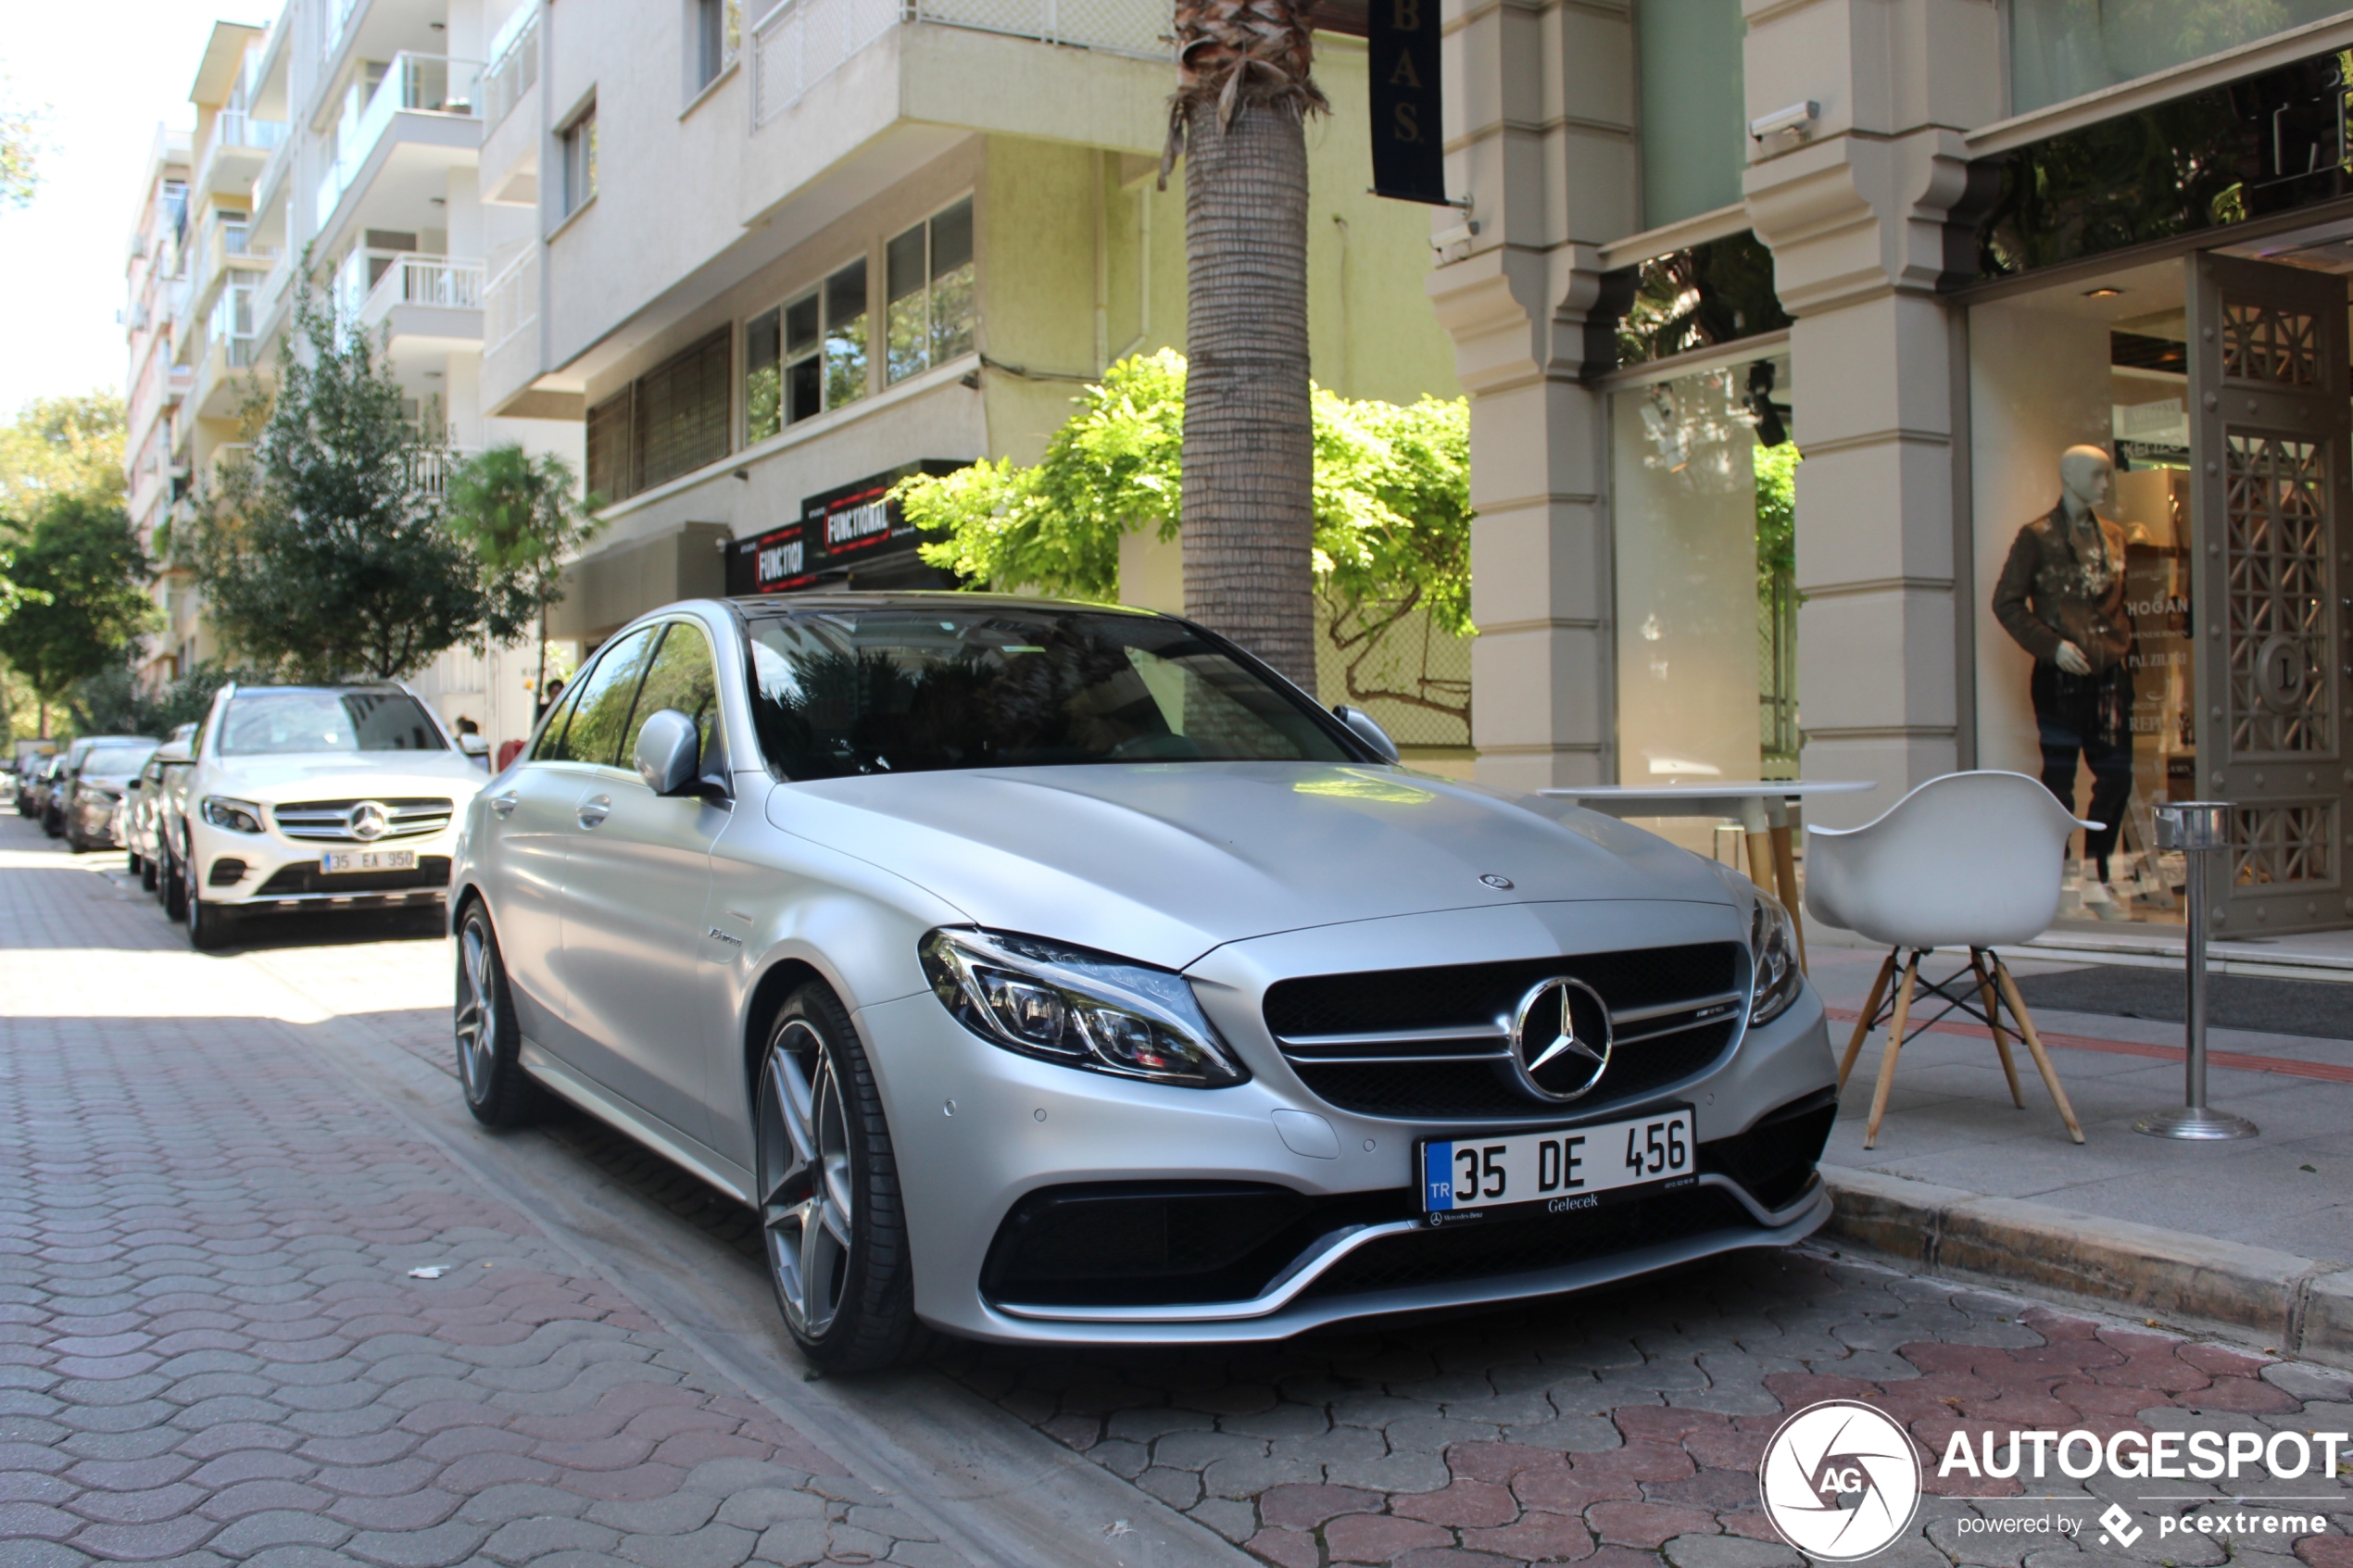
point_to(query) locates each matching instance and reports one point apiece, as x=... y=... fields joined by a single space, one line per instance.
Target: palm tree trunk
x=1243 y=95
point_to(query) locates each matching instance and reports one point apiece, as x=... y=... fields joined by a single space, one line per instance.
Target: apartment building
x=154 y=272
x=1935 y=245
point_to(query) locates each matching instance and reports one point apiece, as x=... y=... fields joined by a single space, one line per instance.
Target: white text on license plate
x=368 y=861
x=1563 y=1170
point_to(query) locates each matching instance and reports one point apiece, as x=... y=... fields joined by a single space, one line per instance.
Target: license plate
x=368 y=861
x=1559 y=1170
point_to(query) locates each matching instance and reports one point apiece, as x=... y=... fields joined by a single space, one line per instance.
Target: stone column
x=1540 y=134
x=1854 y=210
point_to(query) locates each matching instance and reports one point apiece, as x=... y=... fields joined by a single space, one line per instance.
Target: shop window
x=2062 y=49
x=579 y=139
x=1703 y=477
x=1694 y=145
x=929 y=276
x=1712 y=293
x=2101 y=371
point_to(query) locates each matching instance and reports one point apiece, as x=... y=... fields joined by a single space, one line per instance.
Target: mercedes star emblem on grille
x=367 y=821
x=1560 y=1039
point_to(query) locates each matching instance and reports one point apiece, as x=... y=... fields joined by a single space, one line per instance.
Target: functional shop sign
x=841 y=529
x=1409 y=153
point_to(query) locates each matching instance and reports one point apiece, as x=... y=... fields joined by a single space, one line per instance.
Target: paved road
x=267 y=1295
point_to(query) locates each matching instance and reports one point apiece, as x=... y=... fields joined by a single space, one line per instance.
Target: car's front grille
x=1451 y=1253
x=1434 y=1044
x=329 y=822
x=286 y=882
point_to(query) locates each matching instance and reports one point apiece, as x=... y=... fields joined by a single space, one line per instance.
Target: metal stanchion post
x=2198 y=828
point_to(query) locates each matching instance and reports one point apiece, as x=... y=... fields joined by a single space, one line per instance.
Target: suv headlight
x=1081 y=1008
x=237 y=816
x=1775 y=978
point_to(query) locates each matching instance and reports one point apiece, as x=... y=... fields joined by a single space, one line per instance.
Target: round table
x=1760 y=806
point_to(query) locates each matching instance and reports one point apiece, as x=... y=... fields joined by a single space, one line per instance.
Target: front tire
x=834 y=1227
x=209 y=924
x=146 y=866
x=173 y=889
x=499 y=1092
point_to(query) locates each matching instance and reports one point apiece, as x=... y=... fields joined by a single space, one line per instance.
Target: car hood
x=1164 y=862
x=344 y=775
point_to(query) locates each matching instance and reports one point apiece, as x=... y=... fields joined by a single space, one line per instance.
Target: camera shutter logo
x=1840 y=1481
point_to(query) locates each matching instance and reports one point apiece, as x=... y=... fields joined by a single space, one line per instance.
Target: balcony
x=418 y=301
x=235 y=156
x=445 y=98
x=512 y=119
x=514 y=71
x=432 y=468
x=802 y=42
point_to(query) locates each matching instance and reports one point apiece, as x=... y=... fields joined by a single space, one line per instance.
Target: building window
x=716 y=35
x=930 y=278
x=763 y=375
x=846 y=355
x=2060 y=49
x=580 y=161
x=1694 y=139
x=669 y=421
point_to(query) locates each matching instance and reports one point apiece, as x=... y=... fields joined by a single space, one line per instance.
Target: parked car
x=57 y=783
x=332 y=796
x=93 y=809
x=32 y=787
x=1052 y=973
x=143 y=808
x=24 y=762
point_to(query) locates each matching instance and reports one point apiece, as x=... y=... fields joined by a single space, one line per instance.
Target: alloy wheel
x=477 y=1020
x=807 y=1210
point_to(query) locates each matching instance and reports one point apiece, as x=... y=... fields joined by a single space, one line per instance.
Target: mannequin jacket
x=2051 y=592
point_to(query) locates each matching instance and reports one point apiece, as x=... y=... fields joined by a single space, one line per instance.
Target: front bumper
x=978 y=1130
x=270 y=870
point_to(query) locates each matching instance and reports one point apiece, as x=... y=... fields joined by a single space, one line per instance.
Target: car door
x=528 y=839
x=634 y=894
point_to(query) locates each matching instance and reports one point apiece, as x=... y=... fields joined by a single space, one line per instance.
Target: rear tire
x=834 y=1228
x=147 y=873
x=209 y=925
x=499 y=1092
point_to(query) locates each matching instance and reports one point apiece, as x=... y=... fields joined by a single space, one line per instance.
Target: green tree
x=325 y=554
x=1391 y=497
x=20 y=150
x=60 y=444
x=523 y=516
x=1244 y=89
x=83 y=578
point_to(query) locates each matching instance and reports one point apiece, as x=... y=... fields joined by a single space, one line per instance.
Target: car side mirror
x=669 y=748
x=1362 y=725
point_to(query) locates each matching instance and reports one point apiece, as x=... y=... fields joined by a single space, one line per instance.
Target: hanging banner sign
x=1409 y=153
x=837 y=530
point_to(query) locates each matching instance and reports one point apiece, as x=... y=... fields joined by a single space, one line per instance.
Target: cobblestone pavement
x=210 y=1343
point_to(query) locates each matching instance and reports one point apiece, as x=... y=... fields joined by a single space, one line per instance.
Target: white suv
x=349 y=795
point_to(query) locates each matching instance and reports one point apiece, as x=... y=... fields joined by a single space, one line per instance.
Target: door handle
x=595 y=809
x=502 y=806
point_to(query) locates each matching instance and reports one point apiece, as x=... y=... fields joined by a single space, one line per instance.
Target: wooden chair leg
x=1870 y=1012
x=1895 y=1044
x=1993 y=1020
x=2034 y=1044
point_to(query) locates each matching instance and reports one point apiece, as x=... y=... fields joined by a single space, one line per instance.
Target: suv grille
x=1434 y=1043
x=329 y=822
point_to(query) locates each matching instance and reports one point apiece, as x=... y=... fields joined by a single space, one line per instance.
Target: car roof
x=386 y=686
x=843 y=599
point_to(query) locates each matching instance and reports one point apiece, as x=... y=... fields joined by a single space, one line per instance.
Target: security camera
x=1797 y=117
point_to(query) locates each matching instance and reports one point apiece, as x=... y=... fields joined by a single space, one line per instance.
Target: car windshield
x=900 y=690
x=262 y=723
x=116 y=762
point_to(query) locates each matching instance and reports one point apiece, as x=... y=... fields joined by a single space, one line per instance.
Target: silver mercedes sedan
x=1056 y=972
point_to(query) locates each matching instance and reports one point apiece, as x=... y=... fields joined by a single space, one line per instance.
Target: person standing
x=2061 y=598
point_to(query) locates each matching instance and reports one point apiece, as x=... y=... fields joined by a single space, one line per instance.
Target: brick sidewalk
x=213 y=1349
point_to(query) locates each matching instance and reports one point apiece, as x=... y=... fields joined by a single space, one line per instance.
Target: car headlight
x=237 y=816
x=1081 y=1008
x=1775 y=977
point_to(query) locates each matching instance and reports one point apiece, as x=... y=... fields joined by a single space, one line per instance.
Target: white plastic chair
x=1968 y=860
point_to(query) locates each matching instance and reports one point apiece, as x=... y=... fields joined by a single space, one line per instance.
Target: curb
x=2292 y=1305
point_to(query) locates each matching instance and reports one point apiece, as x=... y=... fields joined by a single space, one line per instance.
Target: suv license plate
x=368 y=861
x=1559 y=1170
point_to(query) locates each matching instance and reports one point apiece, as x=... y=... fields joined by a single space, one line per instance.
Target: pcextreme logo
x=1841 y=1481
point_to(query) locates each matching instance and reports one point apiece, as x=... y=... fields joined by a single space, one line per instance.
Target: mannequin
x=2061 y=598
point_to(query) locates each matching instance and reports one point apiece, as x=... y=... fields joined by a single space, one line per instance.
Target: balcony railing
x=235 y=128
x=422 y=279
x=412 y=84
x=514 y=73
x=802 y=42
x=510 y=301
x=339 y=15
x=432 y=468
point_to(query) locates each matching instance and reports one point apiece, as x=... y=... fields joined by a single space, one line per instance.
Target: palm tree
x=1238 y=116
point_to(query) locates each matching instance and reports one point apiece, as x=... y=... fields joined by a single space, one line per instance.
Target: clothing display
x=2087 y=716
x=2064 y=583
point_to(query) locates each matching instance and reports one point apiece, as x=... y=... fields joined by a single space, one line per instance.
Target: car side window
x=602 y=717
x=683 y=676
x=549 y=747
